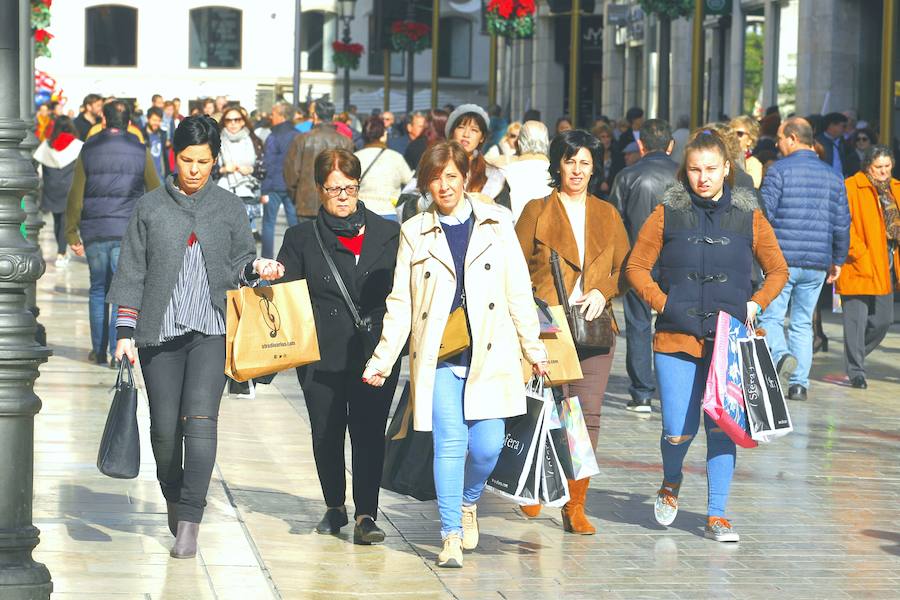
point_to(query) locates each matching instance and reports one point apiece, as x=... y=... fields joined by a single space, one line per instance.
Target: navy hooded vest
x=114 y=165
x=706 y=259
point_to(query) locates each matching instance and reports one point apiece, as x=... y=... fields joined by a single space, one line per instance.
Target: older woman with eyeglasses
x=363 y=249
x=871 y=274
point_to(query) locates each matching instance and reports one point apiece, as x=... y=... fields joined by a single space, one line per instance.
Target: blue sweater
x=806 y=203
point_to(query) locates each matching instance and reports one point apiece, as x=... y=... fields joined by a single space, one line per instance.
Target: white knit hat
x=460 y=111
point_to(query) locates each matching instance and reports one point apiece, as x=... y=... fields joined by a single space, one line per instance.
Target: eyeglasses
x=334 y=192
x=235 y=120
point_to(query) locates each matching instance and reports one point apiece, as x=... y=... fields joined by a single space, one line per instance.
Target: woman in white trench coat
x=461 y=252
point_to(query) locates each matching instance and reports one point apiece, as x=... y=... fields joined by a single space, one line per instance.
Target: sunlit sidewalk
x=817 y=510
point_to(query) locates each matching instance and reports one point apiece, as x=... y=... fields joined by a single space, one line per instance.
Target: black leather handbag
x=120 y=446
x=587 y=335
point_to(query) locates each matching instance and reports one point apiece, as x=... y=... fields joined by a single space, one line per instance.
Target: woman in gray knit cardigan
x=187 y=243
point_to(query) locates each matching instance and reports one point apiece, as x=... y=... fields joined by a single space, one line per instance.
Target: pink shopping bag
x=723 y=399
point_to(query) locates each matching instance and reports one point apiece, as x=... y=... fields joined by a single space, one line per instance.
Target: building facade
x=244 y=49
x=805 y=56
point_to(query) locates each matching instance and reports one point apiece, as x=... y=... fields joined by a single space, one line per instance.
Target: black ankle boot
x=366 y=533
x=331 y=523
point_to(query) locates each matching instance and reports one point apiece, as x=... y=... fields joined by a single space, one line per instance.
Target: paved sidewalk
x=817 y=510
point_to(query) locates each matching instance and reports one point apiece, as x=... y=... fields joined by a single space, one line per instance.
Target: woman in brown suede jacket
x=590 y=238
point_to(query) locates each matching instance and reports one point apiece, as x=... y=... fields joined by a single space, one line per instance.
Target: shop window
x=215 y=38
x=317 y=35
x=110 y=36
x=455 y=48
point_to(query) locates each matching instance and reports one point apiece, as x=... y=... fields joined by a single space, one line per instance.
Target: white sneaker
x=451 y=556
x=62 y=261
x=470 y=527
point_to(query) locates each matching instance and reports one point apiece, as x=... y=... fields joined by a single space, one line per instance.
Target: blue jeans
x=465 y=452
x=639 y=349
x=802 y=293
x=270 y=216
x=682 y=381
x=102 y=259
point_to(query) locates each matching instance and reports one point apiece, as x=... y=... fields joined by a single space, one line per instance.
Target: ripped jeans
x=682 y=380
x=185 y=380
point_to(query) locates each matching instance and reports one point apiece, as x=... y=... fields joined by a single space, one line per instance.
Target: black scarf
x=345 y=226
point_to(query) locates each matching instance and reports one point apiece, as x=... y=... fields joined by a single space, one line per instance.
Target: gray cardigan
x=153 y=250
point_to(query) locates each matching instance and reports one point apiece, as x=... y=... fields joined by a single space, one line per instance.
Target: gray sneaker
x=720 y=529
x=787 y=364
x=665 y=509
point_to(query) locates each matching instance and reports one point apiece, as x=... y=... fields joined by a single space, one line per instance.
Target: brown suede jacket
x=544 y=226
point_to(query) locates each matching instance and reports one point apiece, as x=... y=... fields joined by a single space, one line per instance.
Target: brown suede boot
x=574 y=519
x=531 y=511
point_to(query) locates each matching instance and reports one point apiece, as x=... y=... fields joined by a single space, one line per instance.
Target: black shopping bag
x=120 y=447
x=516 y=475
x=767 y=413
x=408 y=461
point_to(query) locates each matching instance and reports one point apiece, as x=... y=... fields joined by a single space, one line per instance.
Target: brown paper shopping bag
x=564 y=364
x=269 y=329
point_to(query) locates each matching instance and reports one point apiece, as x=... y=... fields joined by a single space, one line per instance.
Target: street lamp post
x=21 y=578
x=346 y=7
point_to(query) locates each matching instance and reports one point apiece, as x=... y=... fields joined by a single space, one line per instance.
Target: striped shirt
x=190 y=308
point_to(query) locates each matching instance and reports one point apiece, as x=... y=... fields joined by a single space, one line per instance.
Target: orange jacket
x=867 y=269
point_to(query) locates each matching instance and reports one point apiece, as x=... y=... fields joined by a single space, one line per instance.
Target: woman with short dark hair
x=589 y=238
x=363 y=249
x=459 y=256
x=188 y=242
x=384 y=171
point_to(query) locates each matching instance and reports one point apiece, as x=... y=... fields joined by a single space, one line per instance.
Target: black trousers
x=185 y=378
x=866 y=322
x=59 y=232
x=338 y=401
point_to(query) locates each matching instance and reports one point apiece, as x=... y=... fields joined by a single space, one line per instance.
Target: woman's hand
x=752 y=310
x=373 y=377
x=541 y=369
x=268 y=269
x=125 y=347
x=245 y=170
x=592 y=304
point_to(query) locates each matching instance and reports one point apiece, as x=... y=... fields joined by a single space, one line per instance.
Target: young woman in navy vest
x=703 y=239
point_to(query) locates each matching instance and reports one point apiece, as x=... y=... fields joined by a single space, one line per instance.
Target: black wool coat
x=369 y=282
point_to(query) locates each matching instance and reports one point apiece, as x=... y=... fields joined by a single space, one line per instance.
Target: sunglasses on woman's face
x=234 y=120
x=862 y=138
x=740 y=134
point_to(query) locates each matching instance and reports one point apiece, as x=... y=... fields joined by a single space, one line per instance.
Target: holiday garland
x=511 y=18
x=347 y=55
x=40 y=21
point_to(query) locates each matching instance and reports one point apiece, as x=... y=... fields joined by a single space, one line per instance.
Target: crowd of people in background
x=771 y=218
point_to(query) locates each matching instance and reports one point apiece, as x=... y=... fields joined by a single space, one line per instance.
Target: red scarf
x=62 y=141
x=353 y=244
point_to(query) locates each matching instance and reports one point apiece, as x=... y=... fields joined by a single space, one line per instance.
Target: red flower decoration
x=42 y=36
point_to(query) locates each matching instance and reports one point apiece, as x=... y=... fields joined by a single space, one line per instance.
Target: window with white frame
x=215 y=38
x=110 y=36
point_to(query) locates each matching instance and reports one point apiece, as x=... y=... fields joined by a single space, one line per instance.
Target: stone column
x=21 y=578
x=770 y=54
x=735 y=83
x=612 y=103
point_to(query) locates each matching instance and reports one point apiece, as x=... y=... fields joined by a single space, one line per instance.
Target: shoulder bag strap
x=558 y=280
x=337 y=276
x=371 y=164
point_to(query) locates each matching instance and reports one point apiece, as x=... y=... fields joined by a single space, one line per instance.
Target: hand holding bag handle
x=363 y=325
x=597 y=334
